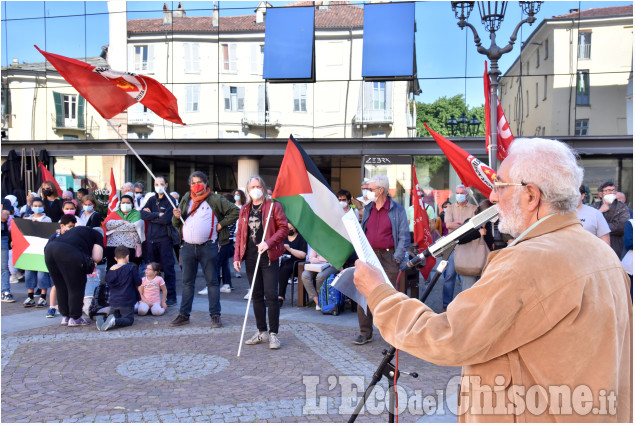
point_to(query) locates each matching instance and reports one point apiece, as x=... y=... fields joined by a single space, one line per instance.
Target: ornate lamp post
x=462 y=126
x=492 y=14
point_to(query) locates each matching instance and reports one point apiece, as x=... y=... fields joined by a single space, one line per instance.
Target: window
x=582 y=88
x=71 y=137
x=584 y=45
x=192 y=97
x=581 y=127
x=536 y=96
x=299 y=97
x=546 y=48
x=192 y=59
x=229 y=57
x=379 y=95
x=257 y=54
x=378 y=134
x=527 y=97
x=69 y=110
x=234 y=98
x=537 y=57
x=544 y=97
x=143 y=58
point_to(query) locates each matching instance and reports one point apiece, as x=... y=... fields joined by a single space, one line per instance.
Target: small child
x=153 y=292
x=122 y=280
x=36 y=279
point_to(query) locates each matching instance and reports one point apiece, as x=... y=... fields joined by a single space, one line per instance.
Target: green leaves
x=437 y=113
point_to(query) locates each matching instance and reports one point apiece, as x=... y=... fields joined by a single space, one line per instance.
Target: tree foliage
x=436 y=114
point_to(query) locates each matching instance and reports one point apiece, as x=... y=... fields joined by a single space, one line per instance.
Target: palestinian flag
x=311 y=206
x=29 y=239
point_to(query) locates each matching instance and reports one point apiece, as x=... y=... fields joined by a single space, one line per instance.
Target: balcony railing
x=140 y=118
x=373 y=116
x=61 y=123
x=261 y=119
x=584 y=51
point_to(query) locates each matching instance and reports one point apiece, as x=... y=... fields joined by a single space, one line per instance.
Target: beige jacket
x=552 y=310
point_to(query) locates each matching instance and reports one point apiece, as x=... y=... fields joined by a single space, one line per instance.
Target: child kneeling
x=153 y=292
x=122 y=280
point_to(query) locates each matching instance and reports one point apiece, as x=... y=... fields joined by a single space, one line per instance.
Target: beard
x=510 y=221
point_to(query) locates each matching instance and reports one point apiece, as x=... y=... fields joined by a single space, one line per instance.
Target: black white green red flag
x=29 y=239
x=311 y=206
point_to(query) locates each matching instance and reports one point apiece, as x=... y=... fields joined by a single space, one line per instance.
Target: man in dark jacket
x=615 y=212
x=157 y=212
x=207 y=219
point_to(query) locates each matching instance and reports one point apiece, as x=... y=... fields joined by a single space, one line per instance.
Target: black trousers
x=286 y=271
x=162 y=252
x=265 y=290
x=65 y=264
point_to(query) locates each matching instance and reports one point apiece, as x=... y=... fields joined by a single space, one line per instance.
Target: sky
x=446 y=55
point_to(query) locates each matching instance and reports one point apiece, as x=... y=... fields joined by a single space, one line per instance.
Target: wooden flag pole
x=143 y=163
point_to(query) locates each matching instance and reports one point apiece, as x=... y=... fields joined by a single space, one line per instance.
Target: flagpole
x=253 y=279
x=141 y=160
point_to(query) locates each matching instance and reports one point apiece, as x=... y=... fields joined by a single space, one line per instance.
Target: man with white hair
x=545 y=334
x=126 y=189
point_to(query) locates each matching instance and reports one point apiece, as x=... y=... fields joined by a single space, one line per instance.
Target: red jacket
x=276 y=235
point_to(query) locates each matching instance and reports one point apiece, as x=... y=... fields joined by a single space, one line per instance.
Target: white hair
x=381 y=181
x=127 y=184
x=552 y=166
x=460 y=186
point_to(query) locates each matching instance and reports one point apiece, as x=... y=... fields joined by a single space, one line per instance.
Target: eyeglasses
x=499 y=185
x=372 y=190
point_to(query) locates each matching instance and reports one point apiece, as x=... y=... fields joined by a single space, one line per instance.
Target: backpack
x=331 y=300
x=99 y=301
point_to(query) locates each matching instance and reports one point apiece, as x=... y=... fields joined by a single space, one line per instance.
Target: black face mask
x=47 y=192
x=291 y=232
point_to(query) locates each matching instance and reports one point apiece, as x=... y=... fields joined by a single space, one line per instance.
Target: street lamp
x=492 y=14
x=462 y=126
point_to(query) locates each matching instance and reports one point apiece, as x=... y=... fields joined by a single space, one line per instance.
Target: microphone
x=450 y=240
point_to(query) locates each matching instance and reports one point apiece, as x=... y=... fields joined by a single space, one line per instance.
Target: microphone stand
x=386 y=368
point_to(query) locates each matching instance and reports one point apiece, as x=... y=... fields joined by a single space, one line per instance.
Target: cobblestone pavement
x=153 y=373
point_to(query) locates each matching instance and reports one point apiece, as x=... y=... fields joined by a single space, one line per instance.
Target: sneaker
x=99 y=322
x=108 y=323
x=51 y=313
x=318 y=308
x=216 y=323
x=274 y=342
x=170 y=302
x=64 y=321
x=203 y=291
x=361 y=340
x=20 y=276
x=246 y=297
x=258 y=338
x=78 y=322
x=13 y=280
x=29 y=302
x=7 y=297
x=41 y=303
x=225 y=289
x=180 y=321
x=237 y=275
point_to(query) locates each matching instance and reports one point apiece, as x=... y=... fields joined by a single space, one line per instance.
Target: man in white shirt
x=592 y=219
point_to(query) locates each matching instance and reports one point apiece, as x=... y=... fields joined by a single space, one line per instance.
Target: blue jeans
x=6 y=285
x=468 y=281
x=205 y=255
x=449 y=276
x=35 y=279
x=224 y=254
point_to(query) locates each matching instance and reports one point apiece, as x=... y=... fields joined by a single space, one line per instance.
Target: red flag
x=112 y=92
x=504 y=137
x=471 y=171
x=46 y=175
x=113 y=198
x=422 y=235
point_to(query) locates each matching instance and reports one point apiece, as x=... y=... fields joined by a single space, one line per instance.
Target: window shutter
x=261 y=99
x=59 y=109
x=196 y=59
x=296 y=98
x=360 y=102
x=187 y=57
x=226 y=97
x=188 y=98
x=150 y=58
x=196 y=95
x=80 y=111
x=255 y=54
x=232 y=58
x=388 y=98
x=241 y=98
x=368 y=96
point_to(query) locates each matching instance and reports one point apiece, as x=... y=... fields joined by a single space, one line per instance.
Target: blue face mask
x=87 y=208
x=461 y=197
x=38 y=210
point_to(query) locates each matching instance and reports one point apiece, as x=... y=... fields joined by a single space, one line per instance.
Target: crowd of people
x=135 y=248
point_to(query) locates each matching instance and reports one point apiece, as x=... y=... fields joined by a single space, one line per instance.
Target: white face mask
x=236 y=198
x=609 y=198
x=461 y=197
x=371 y=196
x=131 y=194
x=255 y=193
x=159 y=189
x=344 y=204
x=126 y=207
x=139 y=195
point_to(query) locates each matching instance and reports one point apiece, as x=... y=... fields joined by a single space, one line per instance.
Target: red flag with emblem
x=113 y=198
x=47 y=175
x=471 y=171
x=422 y=235
x=112 y=92
x=504 y=133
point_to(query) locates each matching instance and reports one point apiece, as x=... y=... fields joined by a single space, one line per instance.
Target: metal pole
x=493 y=110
